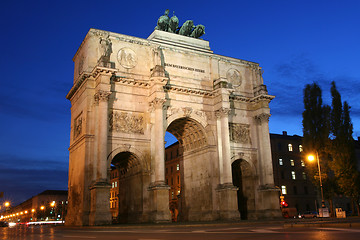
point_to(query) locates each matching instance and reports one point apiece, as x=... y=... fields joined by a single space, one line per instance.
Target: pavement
x=350 y=222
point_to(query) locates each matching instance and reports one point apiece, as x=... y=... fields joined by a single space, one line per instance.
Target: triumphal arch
x=128 y=92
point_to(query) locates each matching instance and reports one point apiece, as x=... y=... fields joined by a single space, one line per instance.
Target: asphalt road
x=176 y=232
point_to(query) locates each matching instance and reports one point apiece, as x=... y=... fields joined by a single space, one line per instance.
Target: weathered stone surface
x=173 y=83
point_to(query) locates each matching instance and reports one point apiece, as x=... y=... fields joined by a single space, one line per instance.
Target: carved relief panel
x=240 y=133
x=126 y=122
x=78 y=125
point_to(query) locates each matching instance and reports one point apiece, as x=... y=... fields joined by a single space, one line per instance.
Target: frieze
x=126 y=122
x=239 y=133
x=183 y=67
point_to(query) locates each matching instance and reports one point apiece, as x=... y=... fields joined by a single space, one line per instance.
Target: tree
x=316 y=130
x=343 y=162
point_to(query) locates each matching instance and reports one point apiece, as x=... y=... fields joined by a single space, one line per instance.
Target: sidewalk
x=350 y=222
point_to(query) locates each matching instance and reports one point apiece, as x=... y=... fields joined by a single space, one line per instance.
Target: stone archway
x=130 y=187
x=196 y=196
x=244 y=180
x=144 y=88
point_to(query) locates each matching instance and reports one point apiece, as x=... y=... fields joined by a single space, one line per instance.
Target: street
x=180 y=232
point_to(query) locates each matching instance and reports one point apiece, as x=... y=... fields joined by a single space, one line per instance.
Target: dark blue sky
x=296 y=42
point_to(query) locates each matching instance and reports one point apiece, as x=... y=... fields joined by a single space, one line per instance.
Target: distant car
x=308 y=214
x=4 y=224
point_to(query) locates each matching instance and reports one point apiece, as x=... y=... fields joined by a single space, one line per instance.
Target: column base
x=160 y=211
x=100 y=204
x=268 y=204
x=228 y=208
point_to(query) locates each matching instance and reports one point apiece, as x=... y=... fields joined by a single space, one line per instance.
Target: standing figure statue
x=173 y=24
x=105 y=49
x=163 y=21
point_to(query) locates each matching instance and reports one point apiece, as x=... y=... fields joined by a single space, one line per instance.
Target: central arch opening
x=126 y=192
x=183 y=138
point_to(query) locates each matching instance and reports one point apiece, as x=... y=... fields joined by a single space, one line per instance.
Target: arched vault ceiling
x=125 y=161
x=190 y=133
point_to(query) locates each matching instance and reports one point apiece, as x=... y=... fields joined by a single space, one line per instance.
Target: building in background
x=173 y=178
x=290 y=175
x=50 y=205
x=114 y=192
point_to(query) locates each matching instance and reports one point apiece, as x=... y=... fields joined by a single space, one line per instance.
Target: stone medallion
x=127 y=57
x=234 y=77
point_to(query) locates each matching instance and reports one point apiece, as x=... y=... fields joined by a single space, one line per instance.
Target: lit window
x=112 y=184
x=283 y=189
x=290 y=147
x=292 y=163
x=302 y=163
x=304 y=175
x=293 y=176
x=115 y=184
x=179 y=191
x=281 y=162
x=177 y=167
x=301 y=148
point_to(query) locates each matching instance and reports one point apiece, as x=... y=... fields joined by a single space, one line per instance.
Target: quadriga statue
x=163 y=21
x=173 y=24
x=198 y=31
x=187 y=28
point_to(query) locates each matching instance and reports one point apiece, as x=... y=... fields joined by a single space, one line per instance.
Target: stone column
x=160 y=191
x=268 y=201
x=223 y=122
x=227 y=191
x=102 y=99
x=159 y=157
x=266 y=176
x=100 y=191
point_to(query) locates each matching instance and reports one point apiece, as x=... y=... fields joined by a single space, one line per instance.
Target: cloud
x=23 y=178
x=288 y=80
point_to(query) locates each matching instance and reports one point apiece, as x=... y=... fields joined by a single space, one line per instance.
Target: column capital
x=157 y=103
x=222 y=112
x=262 y=118
x=101 y=95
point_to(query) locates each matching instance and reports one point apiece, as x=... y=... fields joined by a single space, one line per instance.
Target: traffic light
x=284 y=204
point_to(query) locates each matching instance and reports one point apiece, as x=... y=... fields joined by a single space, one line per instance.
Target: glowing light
x=7 y=204
x=33 y=210
x=52 y=204
x=311 y=158
x=26 y=212
x=42 y=207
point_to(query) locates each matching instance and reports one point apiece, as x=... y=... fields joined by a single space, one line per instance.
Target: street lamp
x=312 y=158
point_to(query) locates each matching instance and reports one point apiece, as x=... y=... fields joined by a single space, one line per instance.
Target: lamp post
x=312 y=158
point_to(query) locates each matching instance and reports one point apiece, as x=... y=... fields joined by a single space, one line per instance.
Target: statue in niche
x=105 y=49
x=187 y=28
x=173 y=24
x=198 y=31
x=163 y=21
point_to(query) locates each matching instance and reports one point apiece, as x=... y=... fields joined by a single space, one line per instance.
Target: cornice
x=76 y=86
x=200 y=92
x=256 y=99
x=129 y=81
